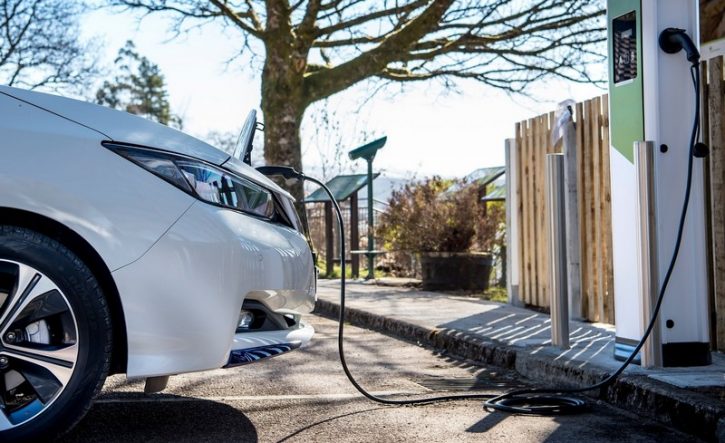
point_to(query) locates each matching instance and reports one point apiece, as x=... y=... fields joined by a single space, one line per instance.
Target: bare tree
x=316 y=48
x=40 y=44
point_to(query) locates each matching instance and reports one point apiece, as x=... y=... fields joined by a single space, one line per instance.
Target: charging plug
x=673 y=40
x=285 y=171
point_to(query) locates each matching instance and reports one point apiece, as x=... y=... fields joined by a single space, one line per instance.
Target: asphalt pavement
x=691 y=399
x=304 y=396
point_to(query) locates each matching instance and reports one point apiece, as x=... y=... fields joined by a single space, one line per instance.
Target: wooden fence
x=713 y=134
x=592 y=134
x=532 y=141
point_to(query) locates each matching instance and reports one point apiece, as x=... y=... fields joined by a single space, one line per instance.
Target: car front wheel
x=55 y=336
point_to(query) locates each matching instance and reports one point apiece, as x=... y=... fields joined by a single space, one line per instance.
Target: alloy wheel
x=38 y=343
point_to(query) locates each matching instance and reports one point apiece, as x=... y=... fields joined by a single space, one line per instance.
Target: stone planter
x=456 y=270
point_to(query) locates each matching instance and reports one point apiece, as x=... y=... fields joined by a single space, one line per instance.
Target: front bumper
x=182 y=298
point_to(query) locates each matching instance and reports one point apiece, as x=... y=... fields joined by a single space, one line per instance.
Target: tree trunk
x=282 y=144
x=283 y=106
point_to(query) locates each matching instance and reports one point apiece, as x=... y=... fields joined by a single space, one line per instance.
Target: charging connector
x=674 y=40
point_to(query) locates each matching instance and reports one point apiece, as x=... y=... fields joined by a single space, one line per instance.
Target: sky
x=430 y=130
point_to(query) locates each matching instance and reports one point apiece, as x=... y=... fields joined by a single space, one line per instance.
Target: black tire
x=85 y=300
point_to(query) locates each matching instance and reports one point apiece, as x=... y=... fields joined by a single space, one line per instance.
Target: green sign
x=626 y=97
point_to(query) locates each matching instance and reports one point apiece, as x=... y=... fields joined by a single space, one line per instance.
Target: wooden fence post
x=607 y=215
x=716 y=99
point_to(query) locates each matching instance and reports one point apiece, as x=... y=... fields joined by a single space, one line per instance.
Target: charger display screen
x=624 y=33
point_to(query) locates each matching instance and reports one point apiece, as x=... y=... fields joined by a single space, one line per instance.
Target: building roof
x=480 y=177
x=342 y=187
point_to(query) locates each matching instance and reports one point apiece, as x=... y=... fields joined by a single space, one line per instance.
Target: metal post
x=329 y=241
x=354 y=236
x=371 y=229
x=512 y=224
x=573 y=252
x=651 y=354
x=557 y=254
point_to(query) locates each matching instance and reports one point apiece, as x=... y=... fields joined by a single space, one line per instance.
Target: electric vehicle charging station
x=652 y=105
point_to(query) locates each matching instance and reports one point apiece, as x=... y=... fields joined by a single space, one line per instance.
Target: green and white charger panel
x=652 y=99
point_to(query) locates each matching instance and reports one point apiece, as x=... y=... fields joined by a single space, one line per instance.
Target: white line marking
x=153 y=399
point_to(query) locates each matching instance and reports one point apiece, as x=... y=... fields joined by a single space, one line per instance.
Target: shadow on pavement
x=137 y=417
x=327 y=420
x=487 y=423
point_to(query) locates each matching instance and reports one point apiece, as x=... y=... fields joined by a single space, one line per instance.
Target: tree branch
x=40 y=44
x=255 y=28
x=324 y=83
x=365 y=18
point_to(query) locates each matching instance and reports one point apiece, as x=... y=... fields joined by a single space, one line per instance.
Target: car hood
x=120 y=126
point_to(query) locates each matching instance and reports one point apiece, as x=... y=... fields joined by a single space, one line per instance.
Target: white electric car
x=129 y=247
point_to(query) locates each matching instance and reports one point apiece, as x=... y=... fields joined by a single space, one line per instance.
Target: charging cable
x=535 y=401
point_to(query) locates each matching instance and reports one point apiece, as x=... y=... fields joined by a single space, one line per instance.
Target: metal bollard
x=644 y=152
x=559 y=303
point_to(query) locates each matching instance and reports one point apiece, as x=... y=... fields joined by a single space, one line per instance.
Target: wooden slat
x=589 y=214
x=540 y=155
x=550 y=119
x=542 y=252
x=705 y=138
x=607 y=217
x=519 y=207
x=524 y=173
x=530 y=128
x=583 y=221
x=592 y=214
x=544 y=215
x=716 y=101
x=531 y=245
x=535 y=271
x=525 y=195
x=530 y=207
x=596 y=146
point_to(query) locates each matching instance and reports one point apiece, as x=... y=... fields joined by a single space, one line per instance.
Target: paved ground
x=304 y=396
x=691 y=399
x=591 y=344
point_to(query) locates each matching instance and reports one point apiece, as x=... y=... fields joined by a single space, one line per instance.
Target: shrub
x=423 y=218
x=491 y=227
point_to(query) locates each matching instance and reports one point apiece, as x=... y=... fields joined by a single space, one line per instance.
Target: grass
x=336 y=271
x=493 y=293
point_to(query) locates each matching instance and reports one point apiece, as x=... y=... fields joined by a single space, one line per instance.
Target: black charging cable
x=535 y=401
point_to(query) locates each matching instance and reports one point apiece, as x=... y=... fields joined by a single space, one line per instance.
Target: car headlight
x=202 y=180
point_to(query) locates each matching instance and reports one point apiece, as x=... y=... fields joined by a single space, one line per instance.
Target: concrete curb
x=688 y=411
